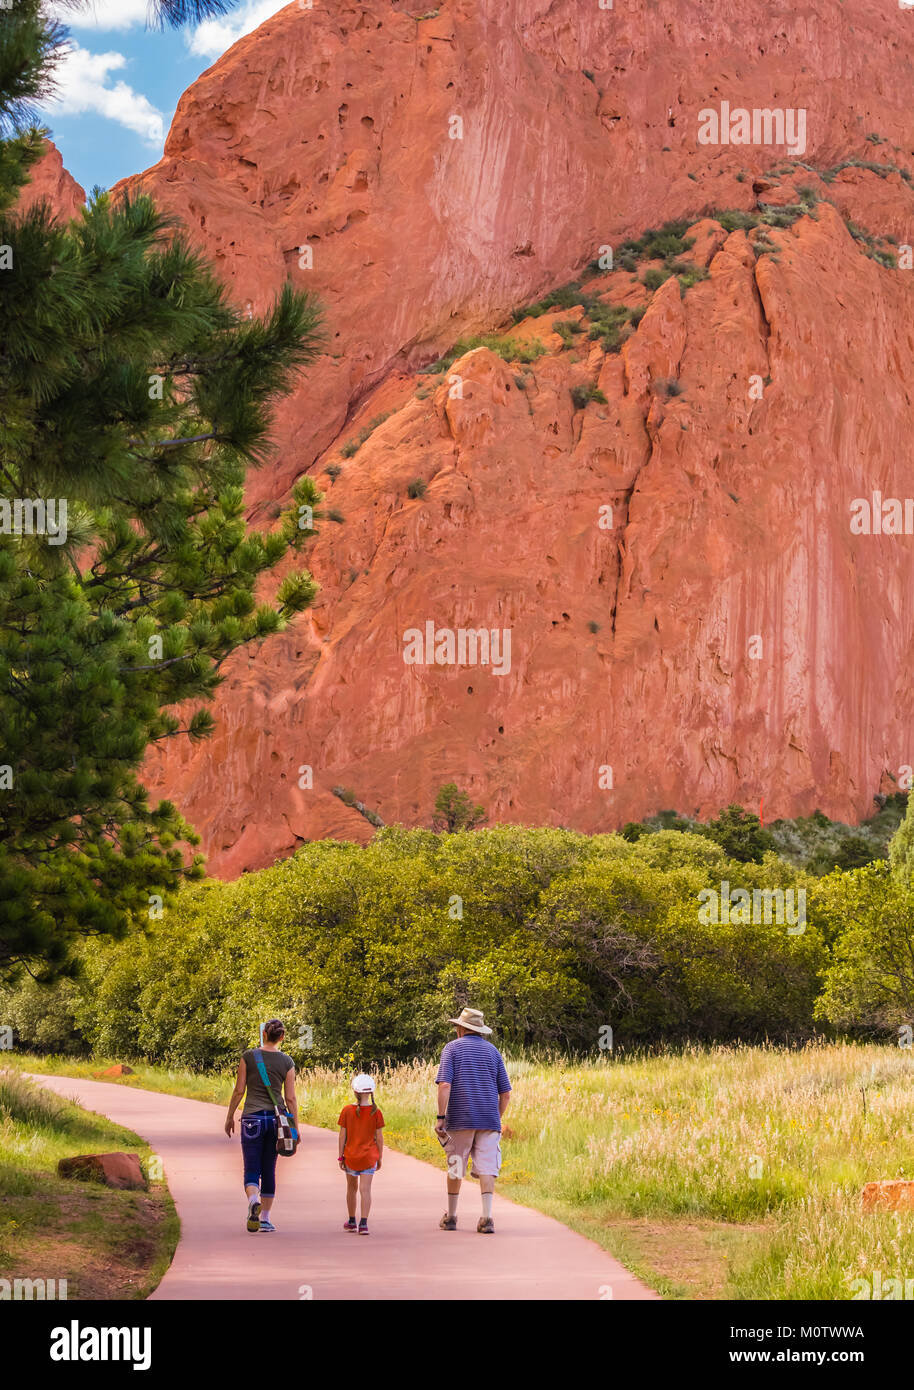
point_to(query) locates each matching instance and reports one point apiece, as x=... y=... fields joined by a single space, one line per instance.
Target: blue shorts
x=359 y=1172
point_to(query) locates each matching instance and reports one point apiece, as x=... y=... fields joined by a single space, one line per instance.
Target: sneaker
x=350 y=1224
x=363 y=1227
x=253 y=1216
x=448 y=1223
x=485 y=1226
x=266 y=1224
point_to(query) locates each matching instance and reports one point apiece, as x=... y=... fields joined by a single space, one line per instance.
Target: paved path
x=406 y=1256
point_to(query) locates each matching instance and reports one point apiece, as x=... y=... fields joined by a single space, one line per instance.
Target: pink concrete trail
x=311 y=1256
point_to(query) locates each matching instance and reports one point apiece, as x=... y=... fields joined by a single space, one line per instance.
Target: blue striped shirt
x=475 y=1070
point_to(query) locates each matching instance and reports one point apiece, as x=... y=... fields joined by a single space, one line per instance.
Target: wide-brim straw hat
x=472 y=1020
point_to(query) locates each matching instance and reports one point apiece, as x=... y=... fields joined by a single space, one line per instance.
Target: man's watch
x=441 y=1117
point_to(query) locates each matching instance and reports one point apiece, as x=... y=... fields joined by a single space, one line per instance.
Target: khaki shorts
x=482 y=1145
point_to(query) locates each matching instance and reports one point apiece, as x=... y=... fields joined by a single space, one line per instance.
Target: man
x=473 y=1094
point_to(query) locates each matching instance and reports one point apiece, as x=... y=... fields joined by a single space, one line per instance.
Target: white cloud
x=211 y=38
x=103 y=14
x=83 y=84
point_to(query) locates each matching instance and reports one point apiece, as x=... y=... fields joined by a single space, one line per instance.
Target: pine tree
x=455 y=811
x=133 y=399
x=740 y=834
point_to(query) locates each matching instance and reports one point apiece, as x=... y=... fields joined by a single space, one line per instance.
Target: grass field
x=722 y=1173
x=104 y=1242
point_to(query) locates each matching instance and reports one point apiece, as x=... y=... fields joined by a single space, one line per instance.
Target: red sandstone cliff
x=631 y=647
x=50 y=182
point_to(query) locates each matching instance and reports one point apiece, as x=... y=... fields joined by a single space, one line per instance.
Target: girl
x=361 y=1147
x=258 y=1119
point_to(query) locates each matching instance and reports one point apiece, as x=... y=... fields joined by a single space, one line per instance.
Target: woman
x=258 y=1119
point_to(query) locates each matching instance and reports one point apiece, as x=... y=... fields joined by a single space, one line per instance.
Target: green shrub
x=417 y=488
x=689 y=275
x=45 y=1019
x=660 y=244
x=870 y=983
x=568 y=331
x=583 y=395
x=374 y=948
x=737 y=221
x=564 y=297
x=666 y=387
x=506 y=348
x=652 y=279
x=741 y=835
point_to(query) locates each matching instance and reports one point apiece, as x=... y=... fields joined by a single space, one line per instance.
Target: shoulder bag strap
x=266 y=1080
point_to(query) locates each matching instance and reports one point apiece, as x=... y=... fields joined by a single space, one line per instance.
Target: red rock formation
x=632 y=648
x=50 y=180
x=121 y=1170
x=893 y=1194
x=329 y=128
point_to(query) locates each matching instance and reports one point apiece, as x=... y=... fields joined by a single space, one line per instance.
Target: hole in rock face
x=469 y=690
x=368 y=122
x=501 y=728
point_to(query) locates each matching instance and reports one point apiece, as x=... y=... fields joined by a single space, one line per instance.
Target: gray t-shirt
x=277 y=1065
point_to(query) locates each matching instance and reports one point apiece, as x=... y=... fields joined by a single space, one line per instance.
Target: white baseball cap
x=362 y=1082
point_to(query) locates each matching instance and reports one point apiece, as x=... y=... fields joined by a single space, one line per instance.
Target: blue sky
x=121 y=80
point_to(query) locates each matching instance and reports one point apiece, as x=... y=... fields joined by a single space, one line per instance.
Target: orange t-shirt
x=361 y=1150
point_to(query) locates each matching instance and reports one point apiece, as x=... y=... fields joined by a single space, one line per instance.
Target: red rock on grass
x=114 y=1169
x=893 y=1195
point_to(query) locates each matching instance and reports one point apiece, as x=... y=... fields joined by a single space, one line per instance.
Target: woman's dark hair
x=274 y=1030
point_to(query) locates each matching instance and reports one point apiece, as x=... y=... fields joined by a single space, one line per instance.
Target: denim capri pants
x=258 y=1148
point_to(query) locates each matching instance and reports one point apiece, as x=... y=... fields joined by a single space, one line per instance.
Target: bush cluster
x=552 y=933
